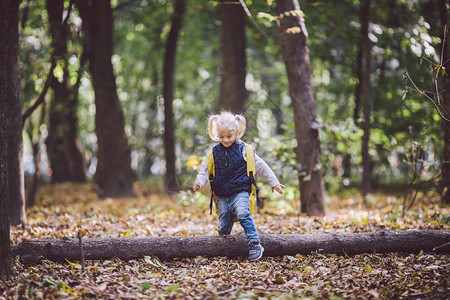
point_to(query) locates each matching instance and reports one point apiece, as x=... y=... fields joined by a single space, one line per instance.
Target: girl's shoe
x=256 y=251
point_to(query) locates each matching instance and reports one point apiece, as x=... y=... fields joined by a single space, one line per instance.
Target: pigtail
x=242 y=125
x=226 y=120
x=212 y=127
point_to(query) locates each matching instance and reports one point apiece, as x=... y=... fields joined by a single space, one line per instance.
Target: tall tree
x=233 y=94
x=5 y=243
x=445 y=184
x=359 y=70
x=169 y=67
x=11 y=91
x=367 y=172
x=9 y=129
x=294 y=48
x=65 y=158
x=114 y=175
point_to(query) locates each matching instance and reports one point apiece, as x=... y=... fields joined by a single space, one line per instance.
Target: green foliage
x=441 y=217
x=401 y=33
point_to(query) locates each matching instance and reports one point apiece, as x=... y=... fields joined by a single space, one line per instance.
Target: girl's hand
x=279 y=188
x=196 y=187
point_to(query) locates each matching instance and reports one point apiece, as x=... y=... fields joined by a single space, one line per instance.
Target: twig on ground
x=81 y=249
x=248 y=287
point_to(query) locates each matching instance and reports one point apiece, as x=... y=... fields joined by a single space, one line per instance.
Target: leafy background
x=405 y=37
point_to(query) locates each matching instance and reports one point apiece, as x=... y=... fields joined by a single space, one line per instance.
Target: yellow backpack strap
x=211 y=172
x=251 y=169
x=250 y=156
x=210 y=162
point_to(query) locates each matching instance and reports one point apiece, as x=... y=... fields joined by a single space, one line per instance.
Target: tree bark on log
x=170 y=247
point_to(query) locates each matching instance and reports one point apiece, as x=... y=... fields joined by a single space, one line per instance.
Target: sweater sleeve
x=265 y=171
x=203 y=175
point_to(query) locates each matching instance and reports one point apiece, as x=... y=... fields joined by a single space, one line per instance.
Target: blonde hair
x=226 y=121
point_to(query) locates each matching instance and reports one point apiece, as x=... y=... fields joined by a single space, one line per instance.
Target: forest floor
x=61 y=211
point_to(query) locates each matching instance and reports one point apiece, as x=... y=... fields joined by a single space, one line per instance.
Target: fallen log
x=170 y=247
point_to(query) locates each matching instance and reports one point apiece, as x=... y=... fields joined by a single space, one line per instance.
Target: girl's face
x=227 y=137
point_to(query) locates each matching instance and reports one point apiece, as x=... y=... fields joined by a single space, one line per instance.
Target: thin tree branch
x=443 y=44
x=446 y=62
x=69 y=11
x=247 y=11
x=41 y=97
x=248 y=287
x=25 y=14
x=444 y=114
x=436 y=87
x=125 y=4
x=437 y=104
x=80 y=236
x=228 y=291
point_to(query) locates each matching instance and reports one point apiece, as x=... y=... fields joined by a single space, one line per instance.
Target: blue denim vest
x=230 y=170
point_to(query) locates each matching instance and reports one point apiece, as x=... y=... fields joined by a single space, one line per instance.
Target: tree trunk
x=295 y=52
x=170 y=247
x=5 y=244
x=359 y=71
x=367 y=172
x=233 y=94
x=13 y=108
x=12 y=208
x=169 y=67
x=445 y=184
x=114 y=175
x=65 y=158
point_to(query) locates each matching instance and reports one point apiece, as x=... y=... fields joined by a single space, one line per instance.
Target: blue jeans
x=236 y=205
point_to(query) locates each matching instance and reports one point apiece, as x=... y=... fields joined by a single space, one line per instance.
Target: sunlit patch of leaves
x=62 y=210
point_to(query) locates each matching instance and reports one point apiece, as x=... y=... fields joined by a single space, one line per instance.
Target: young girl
x=231 y=183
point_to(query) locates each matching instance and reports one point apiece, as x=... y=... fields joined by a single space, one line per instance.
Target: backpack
x=254 y=195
